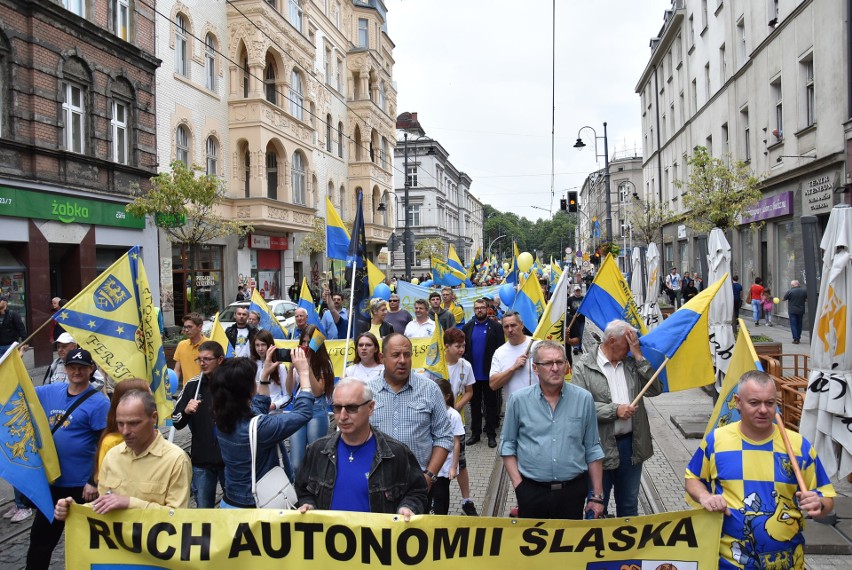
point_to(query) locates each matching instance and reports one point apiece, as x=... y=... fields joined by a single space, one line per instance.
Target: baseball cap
x=577 y=288
x=65 y=338
x=79 y=356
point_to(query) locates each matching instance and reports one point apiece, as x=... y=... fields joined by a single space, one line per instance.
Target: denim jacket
x=272 y=430
x=395 y=478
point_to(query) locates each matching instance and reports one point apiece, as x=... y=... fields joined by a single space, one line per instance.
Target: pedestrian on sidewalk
x=614 y=379
x=768 y=304
x=756 y=298
x=796 y=298
x=739 y=471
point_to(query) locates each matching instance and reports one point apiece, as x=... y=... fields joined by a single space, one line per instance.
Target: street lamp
x=580 y=145
x=488 y=251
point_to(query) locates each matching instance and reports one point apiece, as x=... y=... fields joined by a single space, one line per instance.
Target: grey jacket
x=587 y=374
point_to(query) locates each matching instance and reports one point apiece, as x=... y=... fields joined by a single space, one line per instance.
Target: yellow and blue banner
x=514 y=273
x=684 y=339
x=454 y=261
x=29 y=462
x=609 y=298
x=268 y=320
x=375 y=276
x=529 y=302
x=114 y=319
x=306 y=301
x=435 y=359
x=551 y=325
x=336 y=234
x=317 y=340
x=475 y=265
x=444 y=274
x=217 y=334
x=743 y=358
x=254 y=539
x=555 y=274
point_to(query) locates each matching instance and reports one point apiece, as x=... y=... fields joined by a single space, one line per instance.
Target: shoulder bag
x=273 y=490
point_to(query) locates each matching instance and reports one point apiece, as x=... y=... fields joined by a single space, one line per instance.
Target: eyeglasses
x=205 y=359
x=350 y=408
x=550 y=363
x=394 y=300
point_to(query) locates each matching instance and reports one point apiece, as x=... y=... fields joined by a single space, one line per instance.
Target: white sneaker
x=11 y=512
x=21 y=515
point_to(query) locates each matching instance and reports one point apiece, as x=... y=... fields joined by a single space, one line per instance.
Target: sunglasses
x=350 y=408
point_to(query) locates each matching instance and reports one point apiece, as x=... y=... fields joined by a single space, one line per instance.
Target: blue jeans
x=795 y=325
x=204 y=485
x=625 y=478
x=316 y=428
x=756 y=310
x=21 y=500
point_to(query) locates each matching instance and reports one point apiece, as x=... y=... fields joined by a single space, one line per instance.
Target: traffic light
x=572 y=201
x=563 y=204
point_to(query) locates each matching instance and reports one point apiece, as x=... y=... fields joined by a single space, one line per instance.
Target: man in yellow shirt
x=186 y=352
x=144 y=472
x=448 y=301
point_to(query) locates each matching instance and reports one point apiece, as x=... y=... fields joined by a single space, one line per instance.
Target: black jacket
x=363 y=325
x=231 y=333
x=12 y=328
x=395 y=478
x=205 y=446
x=494 y=339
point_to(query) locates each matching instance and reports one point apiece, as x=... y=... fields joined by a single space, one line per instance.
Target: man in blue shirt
x=483 y=336
x=550 y=443
x=335 y=319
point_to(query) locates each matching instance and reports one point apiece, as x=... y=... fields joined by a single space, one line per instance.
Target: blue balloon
x=382 y=291
x=427 y=283
x=172 y=382
x=507 y=294
x=500 y=272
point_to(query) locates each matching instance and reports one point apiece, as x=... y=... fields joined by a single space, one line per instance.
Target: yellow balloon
x=506 y=266
x=776 y=300
x=525 y=261
x=415 y=281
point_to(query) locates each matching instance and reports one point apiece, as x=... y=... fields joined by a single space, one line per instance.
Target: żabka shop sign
x=19 y=203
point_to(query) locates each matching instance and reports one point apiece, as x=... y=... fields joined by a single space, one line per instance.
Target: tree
x=431 y=247
x=314 y=240
x=647 y=219
x=183 y=205
x=718 y=191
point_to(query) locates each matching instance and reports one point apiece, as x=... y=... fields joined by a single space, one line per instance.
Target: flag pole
x=793 y=462
x=651 y=381
x=353 y=314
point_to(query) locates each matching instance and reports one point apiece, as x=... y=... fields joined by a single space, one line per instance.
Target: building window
x=694 y=96
x=210 y=62
x=384 y=153
x=725 y=141
x=119 y=132
x=121 y=18
x=810 y=98
x=691 y=31
x=777 y=98
x=746 y=134
x=414 y=214
x=741 y=42
x=76 y=6
x=247 y=173
x=73 y=110
x=363 y=33
x=340 y=140
x=339 y=76
x=212 y=152
x=327 y=62
x=269 y=82
x=328 y=131
x=342 y=205
x=298 y=179
x=382 y=95
x=181 y=46
x=271 y=176
x=246 y=77
x=297 y=99
x=723 y=67
x=706 y=81
x=182 y=145
x=296 y=14
x=704 y=18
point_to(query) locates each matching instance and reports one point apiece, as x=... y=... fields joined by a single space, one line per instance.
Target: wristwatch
x=430 y=475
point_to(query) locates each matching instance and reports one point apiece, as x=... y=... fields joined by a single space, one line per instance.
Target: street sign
x=568 y=251
x=586 y=264
x=586 y=257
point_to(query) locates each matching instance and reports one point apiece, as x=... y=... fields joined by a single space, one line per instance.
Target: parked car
x=284 y=311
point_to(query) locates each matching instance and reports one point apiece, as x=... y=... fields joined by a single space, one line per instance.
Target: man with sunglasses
x=193 y=408
x=397 y=317
x=359 y=468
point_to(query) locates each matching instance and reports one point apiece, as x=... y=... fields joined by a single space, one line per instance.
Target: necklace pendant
x=351 y=459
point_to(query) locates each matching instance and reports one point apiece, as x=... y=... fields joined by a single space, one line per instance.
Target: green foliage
x=314 y=240
x=183 y=194
x=609 y=247
x=718 y=191
x=431 y=247
x=647 y=219
x=550 y=236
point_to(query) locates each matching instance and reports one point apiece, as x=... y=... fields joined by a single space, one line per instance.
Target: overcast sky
x=478 y=73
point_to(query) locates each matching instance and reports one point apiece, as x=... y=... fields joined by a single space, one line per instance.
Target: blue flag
x=306 y=301
x=268 y=320
x=356 y=255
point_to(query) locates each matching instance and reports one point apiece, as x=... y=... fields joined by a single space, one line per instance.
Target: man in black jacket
x=12 y=327
x=482 y=337
x=378 y=473
x=193 y=408
x=241 y=334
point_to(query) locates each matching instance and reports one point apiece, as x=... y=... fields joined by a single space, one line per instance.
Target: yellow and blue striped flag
x=444 y=274
x=435 y=360
x=743 y=359
x=114 y=319
x=609 y=298
x=336 y=234
x=317 y=340
x=514 y=273
x=529 y=302
x=375 y=276
x=217 y=334
x=306 y=301
x=30 y=462
x=684 y=339
x=268 y=320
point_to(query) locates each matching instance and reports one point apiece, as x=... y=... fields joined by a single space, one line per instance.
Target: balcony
x=245 y=115
x=270 y=215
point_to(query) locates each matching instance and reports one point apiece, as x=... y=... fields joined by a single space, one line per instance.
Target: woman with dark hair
x=367 y=363
x=237 y=398
x=263 y=343
x=321 y=377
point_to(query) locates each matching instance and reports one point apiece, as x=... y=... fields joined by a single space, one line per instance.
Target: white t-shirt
x=416 y=330
x=618 y=390
x=361 y=372
x=504 y=359
x=277 y=390
x=458 y=431
x=242 y=348
x=461 y=376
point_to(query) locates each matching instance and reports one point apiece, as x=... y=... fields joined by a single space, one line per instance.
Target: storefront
x=197 y=279
x=266 y=252
x=54 y=242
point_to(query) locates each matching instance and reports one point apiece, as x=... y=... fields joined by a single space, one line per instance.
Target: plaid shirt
x=416 y=415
